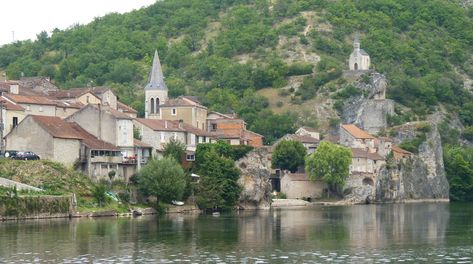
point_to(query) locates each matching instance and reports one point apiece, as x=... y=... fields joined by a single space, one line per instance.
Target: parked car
x=10 y=154
x=27 y=155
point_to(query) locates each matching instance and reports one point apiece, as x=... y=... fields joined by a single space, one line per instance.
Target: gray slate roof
x=156 y=77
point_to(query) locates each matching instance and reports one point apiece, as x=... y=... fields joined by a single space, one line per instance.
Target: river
x=407 y=233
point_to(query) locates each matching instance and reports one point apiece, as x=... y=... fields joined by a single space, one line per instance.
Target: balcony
x=106 y=159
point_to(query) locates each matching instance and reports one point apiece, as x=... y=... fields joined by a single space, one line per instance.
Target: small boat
x=178 y=203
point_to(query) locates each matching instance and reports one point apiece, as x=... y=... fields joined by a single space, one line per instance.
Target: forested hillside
x=225 y=51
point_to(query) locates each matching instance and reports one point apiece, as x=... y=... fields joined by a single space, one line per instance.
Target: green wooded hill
x=225 y=51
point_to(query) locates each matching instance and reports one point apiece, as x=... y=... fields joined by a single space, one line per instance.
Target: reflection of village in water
x=348 y=229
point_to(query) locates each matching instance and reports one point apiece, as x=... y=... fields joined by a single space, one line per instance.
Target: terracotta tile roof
x=253 y=133
x=115 y=113
x=161 y=125
x=24 y=99
x=125 y=108
x=77 y=105
x=357 y=132
x=196 y=131
x=10 y=106
x=141 y=144
x=59 y=128
x=302 y=139
x=77 y=92
x=91 y=141
x=361 y=153
x=182 y=101
x=400 y=150
x=310 y=129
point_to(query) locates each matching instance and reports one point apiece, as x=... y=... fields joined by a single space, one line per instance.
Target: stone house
x=54 y=139
x=310 y=143
x=11 y=114
x=33 y=105
x=77 y=95
x=121 y=107
x=233 y=130
x=157 y=133
x=41 y=85
x=308 y=131
x=108 y=125
x=65 y=109
x=186 y=109
x=364 y=161
x=359 y=59
x=399 y=153
x=298 y=186
x=353 y=137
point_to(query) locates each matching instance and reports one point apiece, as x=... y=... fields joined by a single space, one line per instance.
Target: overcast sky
x=26 y=18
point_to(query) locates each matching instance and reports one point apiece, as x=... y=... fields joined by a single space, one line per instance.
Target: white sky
x=29 y=17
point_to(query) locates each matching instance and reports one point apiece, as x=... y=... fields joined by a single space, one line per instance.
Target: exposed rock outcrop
x=417 y=178
x=371 y=110
x=255 y=171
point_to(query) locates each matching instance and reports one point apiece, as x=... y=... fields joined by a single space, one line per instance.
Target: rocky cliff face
x=371 y=110
x=255 y=171
x=420 y=177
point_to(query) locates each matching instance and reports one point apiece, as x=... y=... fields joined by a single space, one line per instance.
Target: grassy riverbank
x=59 y=181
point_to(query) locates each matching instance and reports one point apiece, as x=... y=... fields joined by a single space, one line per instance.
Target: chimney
x=14 y=89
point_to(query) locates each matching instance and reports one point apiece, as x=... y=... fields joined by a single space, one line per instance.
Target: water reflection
x=310 y=234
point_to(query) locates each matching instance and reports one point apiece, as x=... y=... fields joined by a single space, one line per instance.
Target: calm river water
x=410 y=233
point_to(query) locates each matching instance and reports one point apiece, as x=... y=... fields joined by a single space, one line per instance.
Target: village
x=90 y=130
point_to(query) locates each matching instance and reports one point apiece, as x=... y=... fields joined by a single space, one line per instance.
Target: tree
x=174 y=149
x=459 y=170
x=218 y=186
x=164 y=178
x=288 y=155
x=330 y=163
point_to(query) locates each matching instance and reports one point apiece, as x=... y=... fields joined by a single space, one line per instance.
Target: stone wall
x=23 y=207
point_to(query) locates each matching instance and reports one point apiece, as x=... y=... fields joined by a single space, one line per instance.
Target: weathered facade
x=298 y=186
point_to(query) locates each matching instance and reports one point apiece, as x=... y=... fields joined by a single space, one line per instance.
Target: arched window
x=152 y=106
x=356 y=66
x=157 y=105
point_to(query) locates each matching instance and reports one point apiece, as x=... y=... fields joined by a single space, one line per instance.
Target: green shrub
x=468 y=133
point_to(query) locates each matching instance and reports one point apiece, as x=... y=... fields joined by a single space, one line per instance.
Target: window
x=152 y=106
x=15 y=121
x=214 y=127
x=87 y=99
x=174 y=111
x=190 y=157
x=157 y=105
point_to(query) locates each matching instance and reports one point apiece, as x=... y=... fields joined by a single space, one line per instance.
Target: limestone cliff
x=417 y=178
x=370 y=110
x=255 y=170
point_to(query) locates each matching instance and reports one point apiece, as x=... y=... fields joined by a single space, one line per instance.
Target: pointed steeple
x=156 y=77
x=356 y=41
